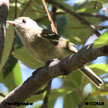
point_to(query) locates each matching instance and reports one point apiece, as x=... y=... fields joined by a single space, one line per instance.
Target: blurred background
x=67 y=91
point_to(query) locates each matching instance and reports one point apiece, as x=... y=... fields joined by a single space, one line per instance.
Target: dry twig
x=49 y=17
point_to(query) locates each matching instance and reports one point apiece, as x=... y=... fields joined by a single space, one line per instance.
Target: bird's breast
x=43 y=50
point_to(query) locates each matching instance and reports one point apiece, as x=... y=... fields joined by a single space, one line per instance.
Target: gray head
x=24 y=25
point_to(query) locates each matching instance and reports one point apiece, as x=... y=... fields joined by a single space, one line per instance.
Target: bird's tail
x=92 y=76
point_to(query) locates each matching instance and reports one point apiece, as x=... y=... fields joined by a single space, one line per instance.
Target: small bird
x=44 y=45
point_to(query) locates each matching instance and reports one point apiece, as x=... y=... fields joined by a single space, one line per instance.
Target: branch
x=82 y=20
x=14 y=31
x=82 y=103
x=40 y=91
x=4 y=6
x=95 y=5
x=43 y=17
x=50 y=18
x=45 y=102
x=93 y=15
x=54 y=9
x=103 y=27
x=16 y=8
x=1 y=94
x=54 y=69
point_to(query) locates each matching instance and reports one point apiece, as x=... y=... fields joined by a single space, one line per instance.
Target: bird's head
x=25 y=25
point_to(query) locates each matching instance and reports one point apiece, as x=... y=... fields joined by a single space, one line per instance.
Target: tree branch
x=4 y=6
x=54 y=69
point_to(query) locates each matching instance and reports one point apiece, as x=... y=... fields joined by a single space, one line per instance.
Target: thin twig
x=14 y=30
x=102 y=27
x=25 y=8
x=43 y=17
x=45 y=101
x=82 y=20
x=82 y=103
x=95 y=5
x=49 y=17
x=15 y=8
x=93 y=15
x=40 y=91
x=54 y=14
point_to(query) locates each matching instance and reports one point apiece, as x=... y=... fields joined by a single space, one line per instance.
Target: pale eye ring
x=24 y=21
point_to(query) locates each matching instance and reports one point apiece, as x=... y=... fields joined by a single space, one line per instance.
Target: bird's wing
x=58 y=41
x=51 y=36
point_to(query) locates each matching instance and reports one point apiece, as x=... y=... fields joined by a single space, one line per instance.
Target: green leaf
x=61 y=23
x=73 y=81
x=102 y=40
x=79 y=4
x=51 y=102
x=37 y=106
x=71 y=100
x=7 y=47
x=76 y=31
x=99 y=69
x=17 y=74
x=35 y=98
x=103 y=92
x=22 y=55
x=12 y=75
x=9 y=67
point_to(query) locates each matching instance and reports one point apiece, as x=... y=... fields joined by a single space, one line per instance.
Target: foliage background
x=72 y=89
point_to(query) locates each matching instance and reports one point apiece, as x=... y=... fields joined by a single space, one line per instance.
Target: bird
x=44 y=45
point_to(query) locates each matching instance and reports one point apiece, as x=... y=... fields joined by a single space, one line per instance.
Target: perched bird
x=44 y=45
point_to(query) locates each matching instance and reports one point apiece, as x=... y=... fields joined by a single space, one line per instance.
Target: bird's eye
x=24 y=21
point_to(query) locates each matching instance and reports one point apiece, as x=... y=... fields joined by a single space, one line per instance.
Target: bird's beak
x=11 y=22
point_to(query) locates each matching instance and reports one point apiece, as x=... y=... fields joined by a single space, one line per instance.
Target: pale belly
x=45 y=51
